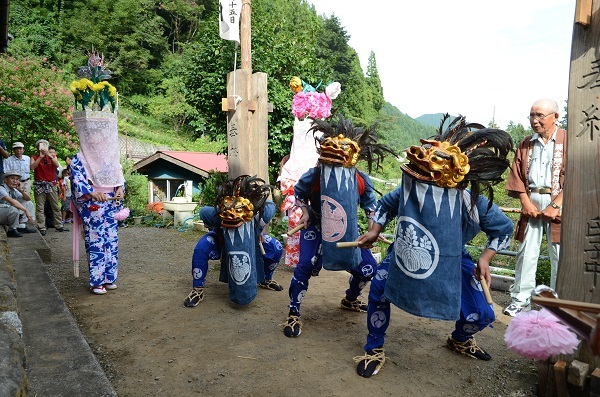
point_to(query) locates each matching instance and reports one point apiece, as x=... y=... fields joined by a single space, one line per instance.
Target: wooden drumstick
x=295 y=229
x=347 y=244
x=486 y=291
x=385 y=240
x=262 y=249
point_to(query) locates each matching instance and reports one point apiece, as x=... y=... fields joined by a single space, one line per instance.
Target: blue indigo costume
x=311 y=260
x=475 y=313
x=427 y=272
x=236 y=224
x=207 y=249
x=329 y=196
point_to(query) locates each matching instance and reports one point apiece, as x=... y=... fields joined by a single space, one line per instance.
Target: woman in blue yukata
x=97 y=189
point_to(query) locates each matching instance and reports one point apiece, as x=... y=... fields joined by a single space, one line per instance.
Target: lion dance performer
x=242 y=211
x=422 y=273
x=307 y=103
x=329 y=196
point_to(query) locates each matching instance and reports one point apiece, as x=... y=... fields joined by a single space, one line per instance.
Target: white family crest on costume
x=367 y=270
x=334 y=220
x=378 y=319
x=476 y=285
x=310 y=235
x=381 y=274
x=301 y=295
x=471 y=328
x=416 y=249
x=197 y=274
x=239 y=266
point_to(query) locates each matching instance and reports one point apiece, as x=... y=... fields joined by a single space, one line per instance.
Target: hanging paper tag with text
x=229 y=19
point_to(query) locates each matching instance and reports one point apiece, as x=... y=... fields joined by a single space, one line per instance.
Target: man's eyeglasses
x=539 y=117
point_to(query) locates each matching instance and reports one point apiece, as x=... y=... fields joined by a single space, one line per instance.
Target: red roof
x=202 y=160
x=198 y=162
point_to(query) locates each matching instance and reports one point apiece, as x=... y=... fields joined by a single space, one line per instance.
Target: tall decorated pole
x=246 y=103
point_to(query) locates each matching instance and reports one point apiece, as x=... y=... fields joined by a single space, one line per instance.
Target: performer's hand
x=483 y=266
x=305 y=218
x=367 y=239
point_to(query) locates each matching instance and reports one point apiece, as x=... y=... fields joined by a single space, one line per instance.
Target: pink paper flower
x=315 y=104
x=122 y=214
x=539 y=335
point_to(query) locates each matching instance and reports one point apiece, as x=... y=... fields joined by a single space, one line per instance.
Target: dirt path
x=151 y=345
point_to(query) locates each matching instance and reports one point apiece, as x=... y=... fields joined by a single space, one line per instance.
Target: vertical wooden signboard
x=247 y=107
x=579 y=268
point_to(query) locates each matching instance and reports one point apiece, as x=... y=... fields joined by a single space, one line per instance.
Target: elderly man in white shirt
x=21 y=163
x=16 y=207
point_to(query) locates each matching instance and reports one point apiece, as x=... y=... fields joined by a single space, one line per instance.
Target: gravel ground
x=151 y=345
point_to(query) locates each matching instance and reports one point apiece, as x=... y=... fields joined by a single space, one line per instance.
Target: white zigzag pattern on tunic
x=421 y=190
x=244 y=231
x=348 y=172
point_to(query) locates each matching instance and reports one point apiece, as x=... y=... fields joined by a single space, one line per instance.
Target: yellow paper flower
x=92 y=91
x=296 y=84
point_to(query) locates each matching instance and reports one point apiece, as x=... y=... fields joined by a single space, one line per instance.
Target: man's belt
x=540 y=190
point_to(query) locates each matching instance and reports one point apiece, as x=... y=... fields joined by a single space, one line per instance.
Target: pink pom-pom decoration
x=122 y=214
x=539 y=335
x=315 y=104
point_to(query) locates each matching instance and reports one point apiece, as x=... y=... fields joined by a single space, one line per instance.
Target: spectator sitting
x=15 y=205
x=20 y=162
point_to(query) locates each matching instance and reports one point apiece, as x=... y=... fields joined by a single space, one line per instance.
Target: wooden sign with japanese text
x=579 y=267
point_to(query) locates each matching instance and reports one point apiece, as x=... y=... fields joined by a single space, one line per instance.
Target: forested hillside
x=170 y=66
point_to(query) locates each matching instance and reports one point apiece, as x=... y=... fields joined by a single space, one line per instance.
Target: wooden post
x=247 y=107
x=583 y=12
x=245 y=34
x=579 y=265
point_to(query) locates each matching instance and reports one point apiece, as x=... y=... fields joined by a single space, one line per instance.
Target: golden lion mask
x=339 y=150
x=438 y=162
x=235 y=211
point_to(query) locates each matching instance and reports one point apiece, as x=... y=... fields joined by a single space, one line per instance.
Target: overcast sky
x=480 y=58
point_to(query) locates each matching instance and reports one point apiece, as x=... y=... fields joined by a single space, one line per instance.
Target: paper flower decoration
x=539 y=335
x=122 y=214
x=94 y=207
x=309 y=102
x=91 y=91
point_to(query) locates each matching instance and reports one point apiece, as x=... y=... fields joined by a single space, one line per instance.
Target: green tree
x=35 y=104
x=374 y=83
x=517 y=131
x=564 y=119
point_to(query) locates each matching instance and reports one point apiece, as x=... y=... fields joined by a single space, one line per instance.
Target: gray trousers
x=9 y=216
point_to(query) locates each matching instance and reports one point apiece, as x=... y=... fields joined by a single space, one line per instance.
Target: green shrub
x=136 y=189
x=208 y=193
